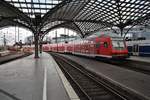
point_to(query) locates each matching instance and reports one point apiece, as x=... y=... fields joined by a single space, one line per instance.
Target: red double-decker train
x=107 y=45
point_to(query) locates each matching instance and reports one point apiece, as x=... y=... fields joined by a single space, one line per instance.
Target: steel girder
x=19 y=14
x=13 y=16
x=69 y=25
x=9 y=22
x=53 y=10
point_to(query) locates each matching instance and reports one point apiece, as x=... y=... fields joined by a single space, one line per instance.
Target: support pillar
x=40 y=47
x=121 y=31
x=41 y=39
x=36 y=42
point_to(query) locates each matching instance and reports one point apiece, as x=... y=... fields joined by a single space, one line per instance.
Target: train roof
x=101 y=34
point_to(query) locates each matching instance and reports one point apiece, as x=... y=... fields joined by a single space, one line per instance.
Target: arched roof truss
x=84 y=16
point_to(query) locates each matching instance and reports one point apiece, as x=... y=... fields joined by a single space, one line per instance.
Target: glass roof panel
x=23 y=5
x=31 y=7
x=36 y=1
x=17 y=4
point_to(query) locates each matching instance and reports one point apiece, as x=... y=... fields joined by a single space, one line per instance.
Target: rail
x=91 y=87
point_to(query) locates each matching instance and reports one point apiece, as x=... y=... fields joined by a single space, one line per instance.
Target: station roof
x=83 y=16
x=31 y=7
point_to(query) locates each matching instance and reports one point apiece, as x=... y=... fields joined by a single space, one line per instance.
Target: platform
x=4 y=53
x=10 y=57
x=129 y=80
x=140 y=59
x=32 y=79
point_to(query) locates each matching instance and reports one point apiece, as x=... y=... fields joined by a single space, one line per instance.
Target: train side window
x=105 y=44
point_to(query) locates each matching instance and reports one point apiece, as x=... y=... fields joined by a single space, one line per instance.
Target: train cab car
x=119 y=48
x=108 y=45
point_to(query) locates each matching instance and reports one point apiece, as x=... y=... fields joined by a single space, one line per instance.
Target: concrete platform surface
x=10 y=57
x=31 y=79
x=141 y=59
x=136 y=82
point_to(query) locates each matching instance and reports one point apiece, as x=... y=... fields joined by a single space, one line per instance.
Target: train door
x=104 y=48
x=135 y=50
x=65 y=48
x=97 y=45
x=92 y=48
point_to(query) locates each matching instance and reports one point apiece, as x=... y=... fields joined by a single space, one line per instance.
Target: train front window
x=118 y=44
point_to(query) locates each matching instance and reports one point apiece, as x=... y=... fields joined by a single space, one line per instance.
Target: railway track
x=88 y=85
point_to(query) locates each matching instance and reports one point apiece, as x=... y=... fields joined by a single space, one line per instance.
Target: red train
x=104 y=45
